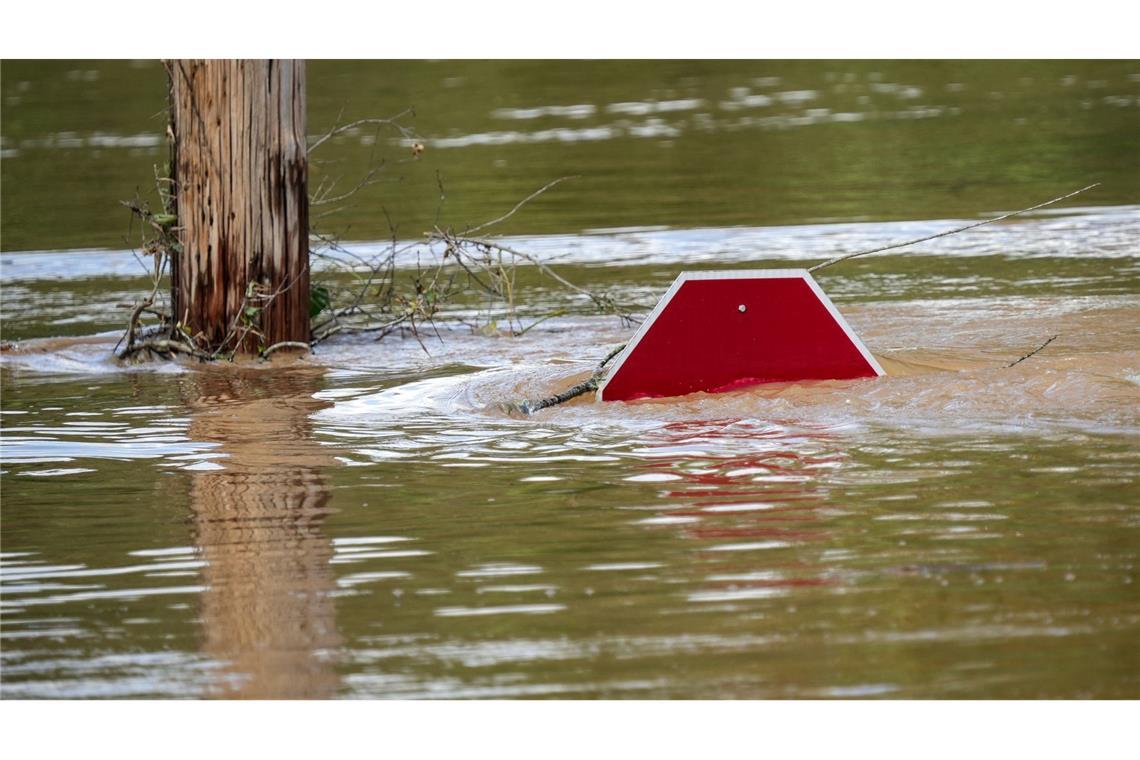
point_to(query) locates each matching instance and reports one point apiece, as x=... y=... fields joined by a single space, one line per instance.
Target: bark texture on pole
x=238 y=160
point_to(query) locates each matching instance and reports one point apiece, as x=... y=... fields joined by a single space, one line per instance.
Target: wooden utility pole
x=240 y=171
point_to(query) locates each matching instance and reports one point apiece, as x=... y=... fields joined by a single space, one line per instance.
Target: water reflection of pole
x=267 y=611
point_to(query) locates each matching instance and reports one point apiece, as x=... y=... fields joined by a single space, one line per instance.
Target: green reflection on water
x=736 y=142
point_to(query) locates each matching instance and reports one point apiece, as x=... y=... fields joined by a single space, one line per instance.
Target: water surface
x=368 y=522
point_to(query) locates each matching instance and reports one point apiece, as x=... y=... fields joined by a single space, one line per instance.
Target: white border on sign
x=738 y=274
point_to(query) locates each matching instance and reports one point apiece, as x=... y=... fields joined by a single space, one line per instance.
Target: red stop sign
x=717 y=331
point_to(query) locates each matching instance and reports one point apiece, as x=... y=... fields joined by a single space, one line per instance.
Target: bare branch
x=322 y=199
x=392 y=122
x=164 y=346
x=284 y=344
x=519 y=205
x=845 y=257
x=574 y=391
x=1031 y=353
x=458 y=243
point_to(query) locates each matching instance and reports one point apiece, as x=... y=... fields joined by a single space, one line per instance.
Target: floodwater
x=368 y=522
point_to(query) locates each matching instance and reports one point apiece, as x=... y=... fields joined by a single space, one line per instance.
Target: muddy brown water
x=367 y=522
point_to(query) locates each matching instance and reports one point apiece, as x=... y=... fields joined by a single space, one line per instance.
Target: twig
x=574 y=391
x=457 y=243
x=164 y=346
x=613 y=352
x=326 y=334
x=1031 y=353
x=404 y=131
x=164 y=316
x=321 y=198
x=132 y=323
x=519 y=205
x=892 y=246
x=285 y=344
x=539 y=321
x=253 y=292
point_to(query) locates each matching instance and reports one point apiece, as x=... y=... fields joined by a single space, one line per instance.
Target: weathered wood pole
x=240 y=171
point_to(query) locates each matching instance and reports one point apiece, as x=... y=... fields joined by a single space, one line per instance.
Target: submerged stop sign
x=715 y=331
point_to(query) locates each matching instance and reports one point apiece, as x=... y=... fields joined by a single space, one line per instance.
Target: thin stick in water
x=574 y=391
x=892 y=246
x=1031 y=353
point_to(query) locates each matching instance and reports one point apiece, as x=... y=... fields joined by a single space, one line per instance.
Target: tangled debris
x=407 y=286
